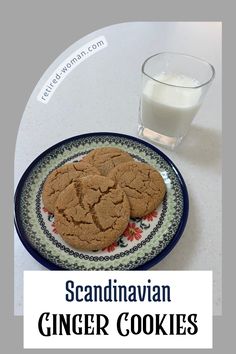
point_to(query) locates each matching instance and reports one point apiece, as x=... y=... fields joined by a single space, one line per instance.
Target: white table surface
x=102 y=94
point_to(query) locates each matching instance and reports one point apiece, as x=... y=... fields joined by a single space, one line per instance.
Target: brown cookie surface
x=143 y=185
x=61 y=177
x=92 y=213
x=106 y=158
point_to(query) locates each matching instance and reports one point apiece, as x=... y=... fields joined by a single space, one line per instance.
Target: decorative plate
x=145 y=241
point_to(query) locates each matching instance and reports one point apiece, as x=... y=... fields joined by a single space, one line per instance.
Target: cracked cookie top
x=61 y=177
x=106 y=158
x=92 y=213
x=143 y=185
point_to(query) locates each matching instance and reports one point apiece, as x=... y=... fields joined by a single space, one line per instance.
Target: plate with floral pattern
x=145 y=242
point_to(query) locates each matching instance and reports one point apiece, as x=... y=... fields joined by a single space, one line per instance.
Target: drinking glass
x=173 y=88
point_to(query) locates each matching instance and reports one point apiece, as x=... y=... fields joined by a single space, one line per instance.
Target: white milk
x=169 y=110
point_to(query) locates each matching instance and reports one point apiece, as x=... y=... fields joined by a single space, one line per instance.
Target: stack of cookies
x=93 y=200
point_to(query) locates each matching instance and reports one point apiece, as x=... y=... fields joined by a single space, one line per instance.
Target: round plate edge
x=50 y=265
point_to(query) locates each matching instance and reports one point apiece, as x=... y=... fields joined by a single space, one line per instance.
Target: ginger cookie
x=143 y=185
x=60 y=178
x=91 y=213
x=106 y=158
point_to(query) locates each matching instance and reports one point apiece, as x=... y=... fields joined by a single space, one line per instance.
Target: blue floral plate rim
x=52 y=266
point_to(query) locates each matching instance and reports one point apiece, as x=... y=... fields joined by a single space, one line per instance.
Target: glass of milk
x=173 y=88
